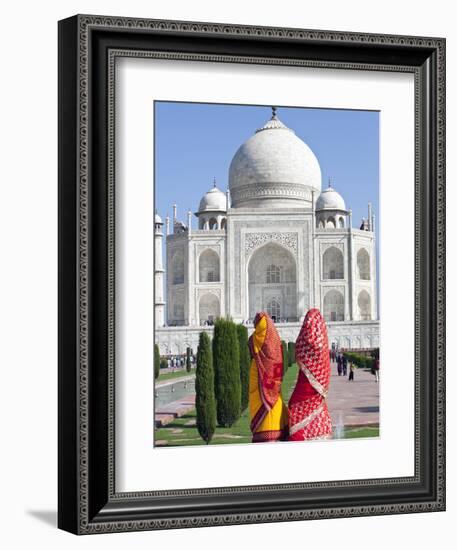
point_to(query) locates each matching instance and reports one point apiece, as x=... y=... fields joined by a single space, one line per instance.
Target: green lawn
x=362 y=431
x=177 y=374
x=183 y=431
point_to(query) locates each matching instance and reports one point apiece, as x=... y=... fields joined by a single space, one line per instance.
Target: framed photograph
x=251 y=274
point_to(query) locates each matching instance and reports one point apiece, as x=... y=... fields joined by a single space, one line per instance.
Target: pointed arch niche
x=209 y=267
x=364 y=306
x=363 y=265
x=333 y=263
x=334 y=306
x=272 y=282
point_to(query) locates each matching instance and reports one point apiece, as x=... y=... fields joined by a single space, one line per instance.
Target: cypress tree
x=205 y=400
x=291 y=353
x=285 y=356
x=245 y=363
x=226 y=372
x=188 y=364
x=156 y=361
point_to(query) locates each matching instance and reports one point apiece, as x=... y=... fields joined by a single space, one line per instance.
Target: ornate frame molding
x=88 y=502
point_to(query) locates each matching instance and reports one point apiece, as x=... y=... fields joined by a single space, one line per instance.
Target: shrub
x=188 y=363
x=375 y=353
x=156 y=361
x=359 y=360
x=285 y=357
x=245 y=364
x=205 y=400
x=226 y=372
x=291 y=353
x=163 y=363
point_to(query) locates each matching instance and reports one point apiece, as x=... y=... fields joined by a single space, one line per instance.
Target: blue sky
x=195 y=143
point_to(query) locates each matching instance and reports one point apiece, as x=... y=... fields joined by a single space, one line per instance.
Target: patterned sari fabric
x=308 y=412
x=267 y=410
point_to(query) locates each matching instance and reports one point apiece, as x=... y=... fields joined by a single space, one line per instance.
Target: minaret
x=189 y=222
x=175 y=217
x=159 y=302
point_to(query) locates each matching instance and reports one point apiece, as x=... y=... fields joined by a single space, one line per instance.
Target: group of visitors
x=275 y=319
x=342 y=366
x=306 y=416
x=179 y=361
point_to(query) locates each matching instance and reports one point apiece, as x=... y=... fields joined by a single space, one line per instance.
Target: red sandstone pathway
x=353 y=403
x=167 y=413
x=171 y=381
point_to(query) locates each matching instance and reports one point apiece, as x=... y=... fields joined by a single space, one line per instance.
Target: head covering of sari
x=269 y=361
x=308 y=413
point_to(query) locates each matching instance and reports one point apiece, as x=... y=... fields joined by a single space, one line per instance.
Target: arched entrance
x=209 y=309
x=274 y=309
x=272 y=283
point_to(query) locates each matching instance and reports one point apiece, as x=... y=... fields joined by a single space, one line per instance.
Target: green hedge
x=156 y=361
x=245 y=364
x=188 y=363
x=291 y=353
x=359 y=360
x=205 y=400
x=227 y=378
x=285 y=356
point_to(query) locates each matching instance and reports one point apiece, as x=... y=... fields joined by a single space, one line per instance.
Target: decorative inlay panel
x=254 y=240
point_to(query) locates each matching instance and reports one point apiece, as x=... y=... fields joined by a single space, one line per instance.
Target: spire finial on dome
x=214 y=181
x=274 y=123
x=329 y=183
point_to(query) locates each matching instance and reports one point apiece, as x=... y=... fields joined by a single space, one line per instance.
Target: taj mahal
x=278 y=241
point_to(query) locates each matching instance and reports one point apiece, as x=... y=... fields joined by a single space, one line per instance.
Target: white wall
x=29 y=273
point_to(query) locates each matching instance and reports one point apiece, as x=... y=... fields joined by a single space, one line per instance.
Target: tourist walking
x=345 y=365
x=376 y=369
x=339 y=364
x=351 y=371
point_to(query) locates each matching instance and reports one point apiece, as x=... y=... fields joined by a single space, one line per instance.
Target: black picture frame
x=88 y=502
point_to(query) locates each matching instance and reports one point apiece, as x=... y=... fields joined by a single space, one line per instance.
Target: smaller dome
x=158 y=219
x=330 y=199
x=213 y=200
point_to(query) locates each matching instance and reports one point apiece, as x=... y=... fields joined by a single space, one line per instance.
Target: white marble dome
x=157 y=218
x=273 y=168
x=330 y=199
x=213 y=200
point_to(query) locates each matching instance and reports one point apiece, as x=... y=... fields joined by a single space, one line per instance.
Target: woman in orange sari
x=267 y=410
x=308 y=412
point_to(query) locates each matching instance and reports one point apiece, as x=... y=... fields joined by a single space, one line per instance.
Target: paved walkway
x=167 y=413
x=353 y=403
x=174 y=381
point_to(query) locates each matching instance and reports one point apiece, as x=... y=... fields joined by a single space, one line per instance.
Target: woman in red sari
x=267 y=410
x=308 y=412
